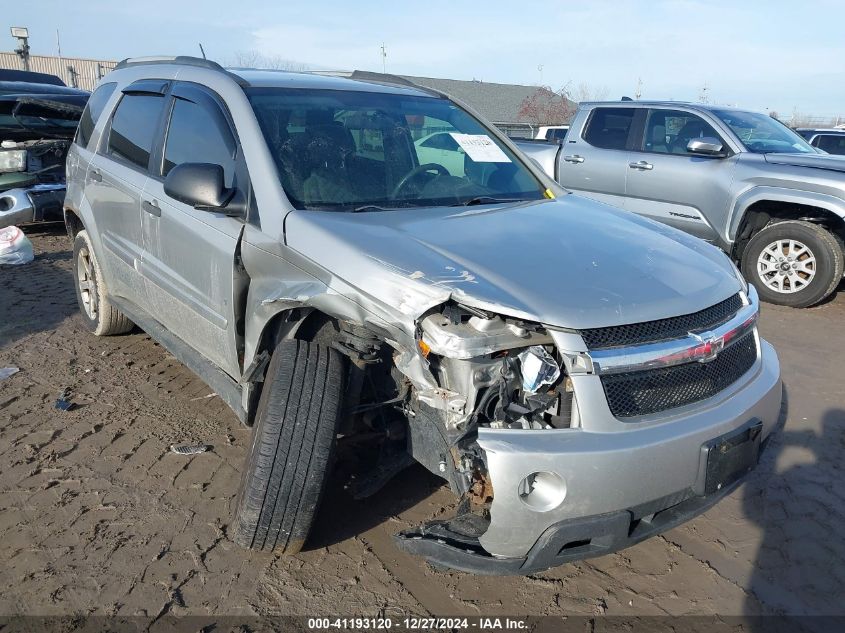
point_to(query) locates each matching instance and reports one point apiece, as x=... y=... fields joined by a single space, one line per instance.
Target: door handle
x=151 y=207
x=573 y=158
x=95 y=176
x=641 y=165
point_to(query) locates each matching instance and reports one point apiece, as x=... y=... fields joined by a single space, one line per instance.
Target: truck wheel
x=293 y=441
x=99 y=315
x=793 y=263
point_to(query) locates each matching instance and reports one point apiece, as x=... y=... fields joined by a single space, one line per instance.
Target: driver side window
x=669 y=131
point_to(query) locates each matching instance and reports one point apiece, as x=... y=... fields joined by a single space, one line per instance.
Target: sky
x=765 y=55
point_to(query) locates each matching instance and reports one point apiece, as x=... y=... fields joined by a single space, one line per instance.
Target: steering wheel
x=415 y=172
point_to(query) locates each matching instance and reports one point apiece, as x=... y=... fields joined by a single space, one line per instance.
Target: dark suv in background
x=831 y=141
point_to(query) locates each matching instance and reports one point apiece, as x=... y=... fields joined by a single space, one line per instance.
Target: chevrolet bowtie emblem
x=709 y=347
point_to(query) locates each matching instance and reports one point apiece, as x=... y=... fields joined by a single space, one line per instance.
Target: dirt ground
x=97 y=516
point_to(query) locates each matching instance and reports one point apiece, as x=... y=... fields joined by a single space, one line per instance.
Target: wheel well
x=766 y=212
x=72 y=223
x=304 y=324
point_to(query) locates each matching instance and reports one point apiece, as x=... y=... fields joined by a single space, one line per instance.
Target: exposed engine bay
x=491 y=372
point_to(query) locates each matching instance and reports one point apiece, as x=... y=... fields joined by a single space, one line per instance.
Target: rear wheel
x=99 y=314
x=293 y=441
x=793 y=263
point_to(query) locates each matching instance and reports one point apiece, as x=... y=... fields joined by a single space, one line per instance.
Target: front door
x=189 y=263
x=668 y=184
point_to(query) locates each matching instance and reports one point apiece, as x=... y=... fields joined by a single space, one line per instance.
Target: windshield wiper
x=485 y=200
x=371 y=207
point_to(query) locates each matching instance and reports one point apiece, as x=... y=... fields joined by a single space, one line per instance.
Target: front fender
x=780 y=194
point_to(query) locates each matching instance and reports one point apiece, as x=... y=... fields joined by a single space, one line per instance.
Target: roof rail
x=183 y=60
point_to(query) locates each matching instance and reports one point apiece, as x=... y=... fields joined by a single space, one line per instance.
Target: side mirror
x=202 y=186
x=706 y=146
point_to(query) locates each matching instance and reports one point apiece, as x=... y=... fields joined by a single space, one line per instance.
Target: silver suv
x=740 y=180
x=581 y=378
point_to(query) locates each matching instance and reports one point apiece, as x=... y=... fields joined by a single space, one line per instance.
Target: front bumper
x=614 y=481
x=33 y=204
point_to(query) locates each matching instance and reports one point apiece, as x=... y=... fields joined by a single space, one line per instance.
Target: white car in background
x=441 y=148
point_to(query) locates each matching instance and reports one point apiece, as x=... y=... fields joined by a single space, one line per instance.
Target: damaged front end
x=540 y=483
x=491 y=372
x=35 y=136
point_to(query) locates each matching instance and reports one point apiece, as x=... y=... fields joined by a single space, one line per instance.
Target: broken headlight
x=12 y=160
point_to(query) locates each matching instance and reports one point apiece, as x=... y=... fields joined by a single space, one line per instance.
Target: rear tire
x=293 y=442
x=99 y=314
x=793 y=263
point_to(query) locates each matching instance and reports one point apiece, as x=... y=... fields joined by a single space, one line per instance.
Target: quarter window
x=134 y=127
x=197 y=135
x=669 y=131
x=93 y=110
x=608 y=128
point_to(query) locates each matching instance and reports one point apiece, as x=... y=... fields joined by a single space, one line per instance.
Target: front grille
x=654 y=390
x=662 y=329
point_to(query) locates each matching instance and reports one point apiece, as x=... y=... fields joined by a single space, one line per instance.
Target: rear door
x=594 y=163
x=115 y=179
x=189 y=264
x=668 y=184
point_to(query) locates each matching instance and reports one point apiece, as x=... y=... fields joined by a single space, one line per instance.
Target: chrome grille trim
x=697 y=346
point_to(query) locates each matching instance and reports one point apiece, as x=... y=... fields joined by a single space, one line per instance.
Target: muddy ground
x=97 y=516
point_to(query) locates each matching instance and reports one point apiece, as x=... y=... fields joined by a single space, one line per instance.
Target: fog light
x=542 y=491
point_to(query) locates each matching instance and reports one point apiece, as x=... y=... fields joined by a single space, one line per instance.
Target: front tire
x=293 y=442
x=99 y=314
x=793 y=263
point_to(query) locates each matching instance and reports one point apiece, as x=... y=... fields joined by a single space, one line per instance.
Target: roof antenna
x=202 y=50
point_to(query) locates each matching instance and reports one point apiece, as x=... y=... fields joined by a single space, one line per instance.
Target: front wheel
x=293 y=441
x=793 y=263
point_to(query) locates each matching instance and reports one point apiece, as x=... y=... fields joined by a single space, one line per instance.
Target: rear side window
x=197 y=135
x=134 y=127
x=92 y=112
x=608 y=128
x=832 y=144
x=556 y=134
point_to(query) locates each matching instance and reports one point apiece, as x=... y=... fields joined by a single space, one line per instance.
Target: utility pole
x=21 y=33
x=540 y=68
x=383 y=59
x=702 y=96
x=639 y=92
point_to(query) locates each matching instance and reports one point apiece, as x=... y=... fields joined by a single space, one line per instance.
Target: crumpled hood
x=570 y=262
x=818 y=161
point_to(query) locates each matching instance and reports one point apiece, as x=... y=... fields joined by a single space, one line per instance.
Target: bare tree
x=547 y=107
x=586 y=92
x=254 y=59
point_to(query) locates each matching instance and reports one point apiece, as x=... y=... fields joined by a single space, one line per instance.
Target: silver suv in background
x=580 y=377
x=737 y=179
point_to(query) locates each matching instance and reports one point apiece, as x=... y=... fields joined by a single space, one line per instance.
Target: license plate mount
x=732 y=456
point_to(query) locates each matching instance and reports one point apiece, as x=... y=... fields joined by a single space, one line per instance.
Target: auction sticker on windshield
x=480 y=148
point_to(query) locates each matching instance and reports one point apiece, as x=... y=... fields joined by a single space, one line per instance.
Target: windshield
x=762 y=134
x=349 y=150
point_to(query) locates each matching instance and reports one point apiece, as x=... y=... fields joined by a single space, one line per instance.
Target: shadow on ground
x=795 y=497
x=37 y=296
x=341 y=517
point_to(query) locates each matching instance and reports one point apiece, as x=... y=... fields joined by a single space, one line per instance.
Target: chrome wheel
x=786 y=266
x=87 y=283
